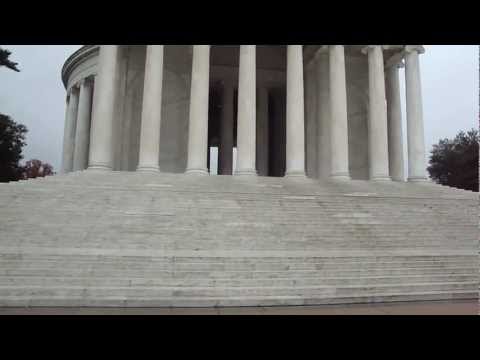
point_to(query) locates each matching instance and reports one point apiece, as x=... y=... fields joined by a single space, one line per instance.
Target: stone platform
x=98 y=239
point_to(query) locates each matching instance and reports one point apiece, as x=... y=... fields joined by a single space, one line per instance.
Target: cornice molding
x=82 y=54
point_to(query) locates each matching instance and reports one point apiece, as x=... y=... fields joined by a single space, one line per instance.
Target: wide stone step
x=98 y=281
x=60 y=301
x=225 y=292
x=225 y=263
x=12 y=254
x=198 y=274
x=300 y=201
x=223 y=266
x=47 y=224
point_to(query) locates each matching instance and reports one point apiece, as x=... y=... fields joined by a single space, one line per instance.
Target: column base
x=296 y=174
x=419 y=179
x=225 y=173
x=203 y=172
x=398 y=179
x=100 y=167
x=154 y=169
x=340 y=176
x=380 y=178
x=246 y=172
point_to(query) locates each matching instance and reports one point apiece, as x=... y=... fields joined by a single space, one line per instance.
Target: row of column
x=226 y=145
x=385 y=146
x=77 y=127
x=385 y=139
x=385 y=142
x=247 y=112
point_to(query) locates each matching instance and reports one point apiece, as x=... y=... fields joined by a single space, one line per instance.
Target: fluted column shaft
x=415 y=127
x=151 y=110
x=323 y=117
x=377 y=119
x=198 y=118
x=339 y=159
x=311 y=125
x=246 y=127
x=295 y=154
x=101 y=135
x=395 y=131
x=82 y=134
x=69 y=132
x=262 y=132
x=225 y=156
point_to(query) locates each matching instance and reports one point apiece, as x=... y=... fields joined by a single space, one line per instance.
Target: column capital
x=414 y=48
x=395 y=60
x=322 y=50
x=365 y=50
x=89 y=80
x=74 y=88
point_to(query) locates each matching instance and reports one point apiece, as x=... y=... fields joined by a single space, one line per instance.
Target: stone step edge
x=149 y=253
x=151 y=265
x=134 y=281
x=26 y=301
x=447 y=197
x=207 y=288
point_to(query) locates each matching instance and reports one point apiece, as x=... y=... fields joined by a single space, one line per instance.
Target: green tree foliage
x=5 y=61
x=455 y=162
x=12 y=140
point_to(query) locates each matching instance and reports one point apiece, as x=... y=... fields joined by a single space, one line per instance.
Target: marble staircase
x=164 y=240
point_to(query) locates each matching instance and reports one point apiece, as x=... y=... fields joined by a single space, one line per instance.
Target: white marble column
x=103 y=117
x=151 y=110
x=415 y=129
x=339 y=161
x=69 y=132
x=225 y=151
x=198 y=118
x=377 y=119
x=246 y=127
x=323 y=115
x=395 y=131
x=82 y=134
x=311 y=131
x=295 y=155
x=65 y=132
x=262 y=131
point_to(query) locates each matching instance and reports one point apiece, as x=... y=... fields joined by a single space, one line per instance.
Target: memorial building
x=316 y=111
x=248 y=175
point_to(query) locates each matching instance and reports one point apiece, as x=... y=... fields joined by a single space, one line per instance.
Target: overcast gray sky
x=36 y=96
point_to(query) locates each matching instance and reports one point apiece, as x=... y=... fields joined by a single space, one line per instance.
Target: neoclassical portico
x=325 y=93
